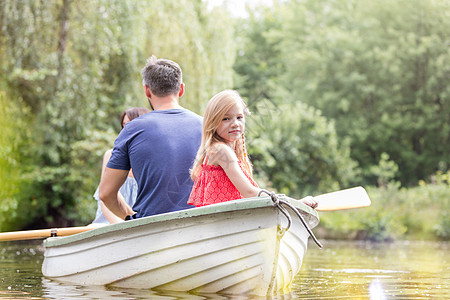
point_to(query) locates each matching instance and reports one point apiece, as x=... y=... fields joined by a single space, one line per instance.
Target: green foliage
x=258 y=66
x=379 y=69
x=85 y=173
x=442 y=229
x=74 y=66
x=8 y=163
x=442 y=225
x=385 y=171
x=296 y=151
x=201 y=42
x=372 y=78
x=396 y=213
x=11 y=183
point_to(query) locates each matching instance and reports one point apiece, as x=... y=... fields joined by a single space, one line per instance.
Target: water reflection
x=55 y=290
x=401 y=270
x=376 y=291
x=342 y=270
x=20 y=270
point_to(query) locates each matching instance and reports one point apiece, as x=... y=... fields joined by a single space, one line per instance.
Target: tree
x=380 y=70
x=296 y=151
x=13 y=135
x=75 y=65
x=259 y=66
x=294 y=148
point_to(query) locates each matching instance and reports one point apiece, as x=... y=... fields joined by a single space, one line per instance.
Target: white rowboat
x=235 y=247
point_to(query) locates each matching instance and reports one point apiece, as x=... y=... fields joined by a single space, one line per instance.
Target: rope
x=279 y=203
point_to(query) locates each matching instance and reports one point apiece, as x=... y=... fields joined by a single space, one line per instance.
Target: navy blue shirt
x=160 y=147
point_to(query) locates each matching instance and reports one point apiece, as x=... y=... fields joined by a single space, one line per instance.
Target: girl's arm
x=225 y=157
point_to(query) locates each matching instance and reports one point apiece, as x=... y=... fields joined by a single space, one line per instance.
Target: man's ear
x=181 y=92
x=147 y=92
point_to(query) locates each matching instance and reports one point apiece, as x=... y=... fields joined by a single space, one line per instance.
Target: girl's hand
x=310 y=201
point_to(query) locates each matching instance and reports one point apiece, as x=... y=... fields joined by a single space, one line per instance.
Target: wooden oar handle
x=42 y=233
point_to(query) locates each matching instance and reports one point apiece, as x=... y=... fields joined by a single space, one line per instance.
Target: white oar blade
x=345 y=199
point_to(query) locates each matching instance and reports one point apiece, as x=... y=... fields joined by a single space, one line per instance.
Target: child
x=128 y=191
x=222 y=170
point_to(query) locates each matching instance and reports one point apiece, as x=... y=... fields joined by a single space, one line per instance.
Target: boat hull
x=237 y=247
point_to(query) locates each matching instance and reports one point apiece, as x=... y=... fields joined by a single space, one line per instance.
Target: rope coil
x=279 y=203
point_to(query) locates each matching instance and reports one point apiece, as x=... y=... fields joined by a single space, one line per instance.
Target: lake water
x=342 y=270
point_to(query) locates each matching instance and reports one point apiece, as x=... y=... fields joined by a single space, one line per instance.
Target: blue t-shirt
x=160 y=147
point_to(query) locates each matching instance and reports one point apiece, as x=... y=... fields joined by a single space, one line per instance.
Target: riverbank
x=417 y=213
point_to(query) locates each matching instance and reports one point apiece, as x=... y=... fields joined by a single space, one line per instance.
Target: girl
x=222 y=170
x=128 y=191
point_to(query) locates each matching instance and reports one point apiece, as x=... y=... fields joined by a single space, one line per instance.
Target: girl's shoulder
x=219 y=147
x=107 y=154
x=220 y=153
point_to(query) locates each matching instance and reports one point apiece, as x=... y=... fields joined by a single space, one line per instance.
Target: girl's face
x=125 y=121
x=232 y=126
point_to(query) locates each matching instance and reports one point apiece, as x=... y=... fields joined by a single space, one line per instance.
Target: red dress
x=214 y=186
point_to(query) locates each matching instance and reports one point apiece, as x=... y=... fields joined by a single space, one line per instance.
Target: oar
x=42 y=233
x=344 y=199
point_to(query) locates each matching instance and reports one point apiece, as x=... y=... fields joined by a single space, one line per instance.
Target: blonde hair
x=215 y=111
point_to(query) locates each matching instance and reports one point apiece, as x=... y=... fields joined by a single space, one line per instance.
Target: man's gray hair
x=162 y=76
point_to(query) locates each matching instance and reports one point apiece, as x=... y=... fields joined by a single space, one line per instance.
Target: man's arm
x=112 y=218
x=110 y=183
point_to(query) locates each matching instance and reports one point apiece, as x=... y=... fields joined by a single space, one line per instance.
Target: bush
x=420 y=212
x=12 y=135
x=296 y=151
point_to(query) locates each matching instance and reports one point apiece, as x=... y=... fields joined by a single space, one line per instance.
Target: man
x=159 y=147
